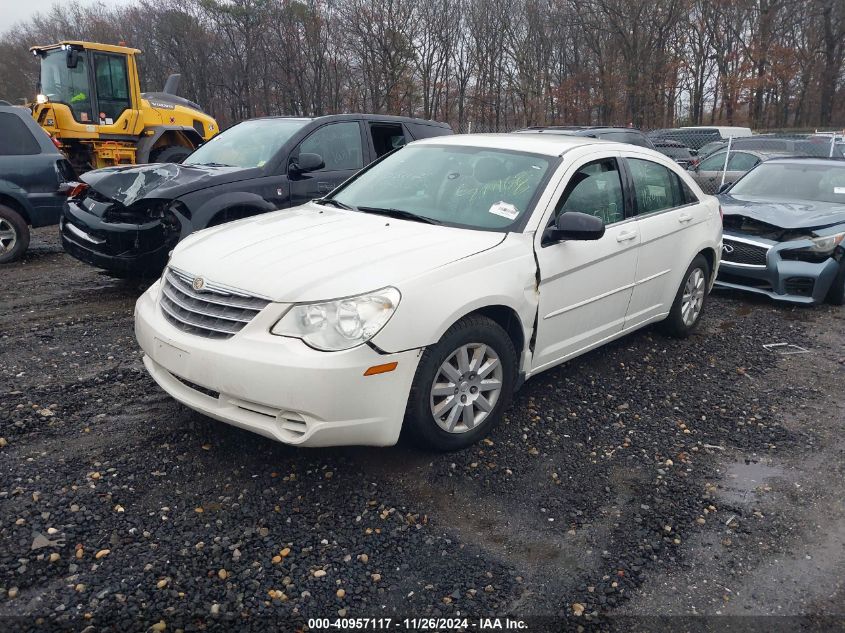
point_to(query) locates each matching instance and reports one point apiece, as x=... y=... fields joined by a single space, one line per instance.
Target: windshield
x=67 y=85
x=248 y=144
x=794 y=181
x=461 y=186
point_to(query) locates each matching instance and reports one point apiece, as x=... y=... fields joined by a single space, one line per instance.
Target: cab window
x=112 y=86
x=387 y=137
x=339 y=144
x=657 y=188
x=595 y=189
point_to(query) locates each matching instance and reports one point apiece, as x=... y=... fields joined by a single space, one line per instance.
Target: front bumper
x=140 y=249
x=277 y=386
x=779 y=278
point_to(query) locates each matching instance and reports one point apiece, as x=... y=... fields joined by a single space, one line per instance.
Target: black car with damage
x=784 y=225
x=130 y=217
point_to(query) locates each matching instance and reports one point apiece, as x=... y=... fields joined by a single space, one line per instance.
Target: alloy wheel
x=8 y=236
x=693 y=298
x=466 y=388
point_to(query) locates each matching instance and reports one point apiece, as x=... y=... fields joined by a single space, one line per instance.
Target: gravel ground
x=652 y=477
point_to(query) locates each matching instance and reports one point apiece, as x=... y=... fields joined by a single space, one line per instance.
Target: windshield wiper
x=331 y=202
x=398 y=213
x=211 y=165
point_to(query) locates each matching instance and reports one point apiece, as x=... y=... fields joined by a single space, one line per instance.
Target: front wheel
x=170 y=154
x=462 y=386
x=836 y=294
x=690 y=299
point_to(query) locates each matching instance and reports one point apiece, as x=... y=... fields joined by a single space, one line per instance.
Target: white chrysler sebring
x=423 y=291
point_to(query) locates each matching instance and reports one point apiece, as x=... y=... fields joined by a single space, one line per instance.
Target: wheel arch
x=16 y=204
x=709 y=255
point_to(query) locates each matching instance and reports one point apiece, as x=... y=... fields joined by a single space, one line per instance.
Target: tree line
x=485 y=64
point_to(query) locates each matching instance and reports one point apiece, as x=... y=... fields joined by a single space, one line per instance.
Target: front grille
x=213 y=312
x=735 y=252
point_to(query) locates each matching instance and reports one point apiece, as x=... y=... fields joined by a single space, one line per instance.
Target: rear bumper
x=781 y=279
x=122 y=248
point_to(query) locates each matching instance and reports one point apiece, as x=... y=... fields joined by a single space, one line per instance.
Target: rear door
x=341 y=146
x=585 y=286
x=669 y=216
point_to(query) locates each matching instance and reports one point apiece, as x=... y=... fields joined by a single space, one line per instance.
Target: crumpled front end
x=787 y=269
x=125 y=239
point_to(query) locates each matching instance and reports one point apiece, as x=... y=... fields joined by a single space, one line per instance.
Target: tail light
x=56 y=142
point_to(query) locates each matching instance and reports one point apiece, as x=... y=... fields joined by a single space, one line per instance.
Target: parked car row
x=298 y=259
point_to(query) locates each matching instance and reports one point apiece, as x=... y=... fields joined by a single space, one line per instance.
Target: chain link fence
x=715 y=156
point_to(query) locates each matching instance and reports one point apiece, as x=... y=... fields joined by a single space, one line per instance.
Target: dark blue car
x=784 y=231
x=34 y=180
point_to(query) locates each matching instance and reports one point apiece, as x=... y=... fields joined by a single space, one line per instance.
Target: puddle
x=741 y=481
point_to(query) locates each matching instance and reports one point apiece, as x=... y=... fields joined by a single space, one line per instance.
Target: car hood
x=312 y=253
x=129 y=183
x=786 y=214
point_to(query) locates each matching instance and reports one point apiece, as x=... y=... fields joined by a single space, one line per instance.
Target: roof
x=565 y=129
x=549 y=145
x=108 y=48
x=365 y=117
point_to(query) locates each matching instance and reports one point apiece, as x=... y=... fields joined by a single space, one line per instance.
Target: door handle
x=626 y=236
x=324 y=187
x=684 y=218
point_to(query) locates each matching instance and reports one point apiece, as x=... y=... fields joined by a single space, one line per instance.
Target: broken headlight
x=827 y=243
x=332 y=326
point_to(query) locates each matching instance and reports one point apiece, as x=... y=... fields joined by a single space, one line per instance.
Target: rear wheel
x=170 y=154
x=690 y=299
x=14 y=235
x=836 y=294
x=462 y=386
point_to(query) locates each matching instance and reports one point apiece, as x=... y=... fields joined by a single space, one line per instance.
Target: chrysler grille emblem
x=198 y=283
x=726 y=248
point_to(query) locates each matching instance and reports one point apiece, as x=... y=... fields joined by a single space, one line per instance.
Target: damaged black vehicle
x=126 y=219
x=784 y=224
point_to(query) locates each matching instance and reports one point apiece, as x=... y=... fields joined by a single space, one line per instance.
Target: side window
x=112 y=86
x=15 y=137
x=713 y=163
x=387 y=137
x=656 y=187
x=339 y=144
x=595 y=189
x=741 y=161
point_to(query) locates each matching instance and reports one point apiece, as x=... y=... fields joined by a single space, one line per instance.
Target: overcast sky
x=12 y=11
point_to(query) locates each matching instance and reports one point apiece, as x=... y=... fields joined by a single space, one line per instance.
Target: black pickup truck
x=129 y=217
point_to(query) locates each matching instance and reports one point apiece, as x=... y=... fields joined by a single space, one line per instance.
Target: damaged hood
x=129 y=183
x=313 y=253
x=786 y=214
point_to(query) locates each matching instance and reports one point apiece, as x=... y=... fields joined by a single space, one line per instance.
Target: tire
x=14 y=235
x=484 y=341
x=836 y=294
x=170 y=154
x=680 y=323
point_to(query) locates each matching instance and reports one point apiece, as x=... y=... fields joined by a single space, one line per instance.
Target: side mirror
x=723 y=188
x=306 y=162
x=72 y=58
x=573 y=225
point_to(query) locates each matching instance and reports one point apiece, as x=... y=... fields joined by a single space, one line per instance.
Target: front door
x=341 y=148
x=585 y=286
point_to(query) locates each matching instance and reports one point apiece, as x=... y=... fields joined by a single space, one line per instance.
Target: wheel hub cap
x=466 y=388
x=692 y=301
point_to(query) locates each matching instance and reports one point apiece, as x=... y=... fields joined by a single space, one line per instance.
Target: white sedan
x=423 y=291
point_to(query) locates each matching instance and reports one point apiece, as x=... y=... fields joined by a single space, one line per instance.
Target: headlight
x=826 y=244
x=342 y=323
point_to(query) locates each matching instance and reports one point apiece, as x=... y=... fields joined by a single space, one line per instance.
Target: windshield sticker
x=839 y=190
x=504 y=209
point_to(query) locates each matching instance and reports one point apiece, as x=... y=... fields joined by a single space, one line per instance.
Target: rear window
x=15 y=137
